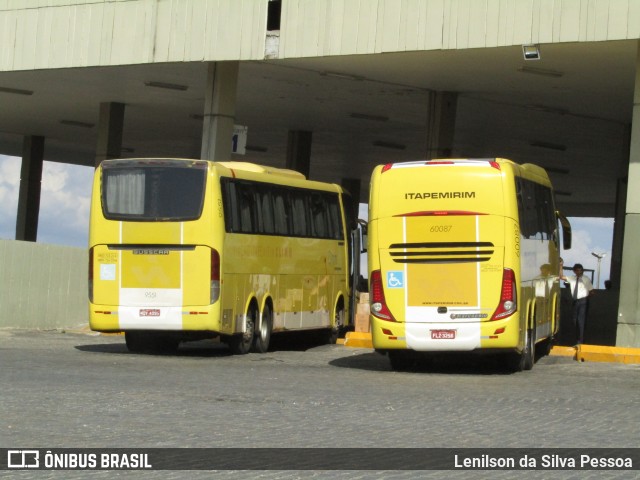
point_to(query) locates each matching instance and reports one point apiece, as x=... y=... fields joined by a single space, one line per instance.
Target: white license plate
x=443 y=334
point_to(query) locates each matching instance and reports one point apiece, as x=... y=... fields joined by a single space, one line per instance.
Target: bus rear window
x=153 y=190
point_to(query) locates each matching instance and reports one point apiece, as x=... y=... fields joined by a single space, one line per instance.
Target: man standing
x=581 y=289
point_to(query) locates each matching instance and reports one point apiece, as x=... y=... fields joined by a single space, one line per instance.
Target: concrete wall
x=344 y=27
x=39 y=34
x=80 y=33
x=42 y=286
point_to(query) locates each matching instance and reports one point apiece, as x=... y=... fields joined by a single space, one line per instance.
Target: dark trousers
x=580 y=307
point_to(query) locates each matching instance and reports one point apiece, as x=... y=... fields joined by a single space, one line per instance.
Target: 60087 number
x=440 y=229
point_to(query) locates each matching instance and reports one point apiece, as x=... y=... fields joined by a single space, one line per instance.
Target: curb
x=358 y=340
x=580 y=353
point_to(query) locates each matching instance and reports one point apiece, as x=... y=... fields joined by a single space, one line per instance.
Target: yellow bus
x=463 y=257
x=191 y=249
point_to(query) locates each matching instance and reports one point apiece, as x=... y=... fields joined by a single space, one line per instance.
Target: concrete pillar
x=110 y=127
x=441 y=122
x=219 y=111
x=299 y=151
x=30 y=186
x=628 y=332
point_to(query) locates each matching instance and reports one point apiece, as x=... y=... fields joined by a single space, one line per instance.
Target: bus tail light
x=215 y=275
x=378 y=304
x=90 y=275
x=508 y=296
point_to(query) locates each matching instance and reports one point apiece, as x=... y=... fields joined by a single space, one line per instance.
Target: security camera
x=531 y=52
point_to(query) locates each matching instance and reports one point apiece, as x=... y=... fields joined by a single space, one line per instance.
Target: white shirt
x=584 y=285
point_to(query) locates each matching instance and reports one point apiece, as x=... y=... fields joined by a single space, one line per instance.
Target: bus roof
x=255 y=168
x=527 y=170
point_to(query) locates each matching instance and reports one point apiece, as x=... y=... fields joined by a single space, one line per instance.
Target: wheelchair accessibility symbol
x=395 y=279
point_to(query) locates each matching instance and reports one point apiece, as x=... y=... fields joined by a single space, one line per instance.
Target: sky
x=66 y=197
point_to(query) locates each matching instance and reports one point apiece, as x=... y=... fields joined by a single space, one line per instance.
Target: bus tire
x=240 y=344
x=263 y=332
x=338 y=323
x=529 y=353
x=517 y=362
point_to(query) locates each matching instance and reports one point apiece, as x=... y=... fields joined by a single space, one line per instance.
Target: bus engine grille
x=441 y=252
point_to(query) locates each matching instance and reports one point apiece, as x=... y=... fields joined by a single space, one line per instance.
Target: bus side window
x=335 y=224
x=266 y=210
x=248 y=222
x=280 y=212
x=298 y=214
x=231 y=207
x=318 y=217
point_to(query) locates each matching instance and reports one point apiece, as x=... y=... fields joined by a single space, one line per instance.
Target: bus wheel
x=241 y=344
x=529 y=353
x=338 y=324
x=401 y=360
x=263 y=333
x=524 y=360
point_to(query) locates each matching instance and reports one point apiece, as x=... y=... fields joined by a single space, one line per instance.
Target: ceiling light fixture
x=394 y=146
x=76 y=123
x=549 y=145
x=344 y=76
x=16 y=91
x=168 y=86
x=255 y=148
x=546 y=109
x=366 y=116
x=562 y=171
x=545 y=72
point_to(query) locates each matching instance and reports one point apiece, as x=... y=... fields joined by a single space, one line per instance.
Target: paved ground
x=70 y=390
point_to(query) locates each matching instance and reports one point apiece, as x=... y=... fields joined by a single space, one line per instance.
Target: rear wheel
x=525 y=359
x=338 y=324
x=263 y=333
x=240 y=344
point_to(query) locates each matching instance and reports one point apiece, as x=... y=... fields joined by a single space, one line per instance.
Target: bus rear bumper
x=109 y=318
x=444 y=337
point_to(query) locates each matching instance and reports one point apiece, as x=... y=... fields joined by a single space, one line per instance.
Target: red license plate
x=443 y=334
x=150 y=312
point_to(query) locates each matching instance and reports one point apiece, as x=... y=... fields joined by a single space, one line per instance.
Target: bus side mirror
x=566 y=230
x=363 y=228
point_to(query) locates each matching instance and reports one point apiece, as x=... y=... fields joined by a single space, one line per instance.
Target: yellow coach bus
x=190 y=249
x=463 y=256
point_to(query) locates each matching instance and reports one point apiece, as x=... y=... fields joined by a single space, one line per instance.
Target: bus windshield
x=153 y=190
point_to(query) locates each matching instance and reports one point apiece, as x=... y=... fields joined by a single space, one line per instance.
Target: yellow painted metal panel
x=151 y=271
